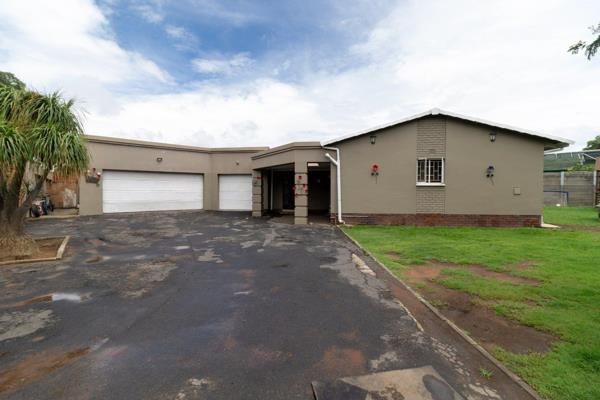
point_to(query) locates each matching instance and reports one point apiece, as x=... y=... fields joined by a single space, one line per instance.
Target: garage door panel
x=150 y=191
x=235 y=192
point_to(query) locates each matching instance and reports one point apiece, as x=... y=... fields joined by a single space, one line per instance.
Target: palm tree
x=39 y=134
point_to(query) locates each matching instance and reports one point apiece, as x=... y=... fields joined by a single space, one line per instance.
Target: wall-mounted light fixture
x=490 y=171
x=373 y=138
x=159 y=159
x=492 y=136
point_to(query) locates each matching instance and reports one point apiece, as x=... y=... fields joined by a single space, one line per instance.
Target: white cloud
x=73 y=49
x=177 y=32
x=263 y=112
x=221 y=65
x=505 y=61
x=151 y=12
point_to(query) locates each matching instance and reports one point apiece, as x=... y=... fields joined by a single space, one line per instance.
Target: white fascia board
x=437 y=111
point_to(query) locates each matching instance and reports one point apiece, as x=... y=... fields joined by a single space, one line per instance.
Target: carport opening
x=280 y=190
x=279 y=198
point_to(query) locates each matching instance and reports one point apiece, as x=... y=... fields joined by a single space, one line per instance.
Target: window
x=430 y=171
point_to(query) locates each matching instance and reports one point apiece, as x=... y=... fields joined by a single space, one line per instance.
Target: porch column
x=256 y=193
x=300 y=193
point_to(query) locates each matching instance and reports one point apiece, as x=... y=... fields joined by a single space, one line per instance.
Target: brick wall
x=431 y=199
x=431 y=137
x=62 y=192
x=504 y=221
x=431 y=142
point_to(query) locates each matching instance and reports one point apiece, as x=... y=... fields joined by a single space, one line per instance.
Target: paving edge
x=59 y=252
x=511 y=375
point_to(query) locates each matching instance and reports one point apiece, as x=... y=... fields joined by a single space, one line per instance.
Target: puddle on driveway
x=47 y=298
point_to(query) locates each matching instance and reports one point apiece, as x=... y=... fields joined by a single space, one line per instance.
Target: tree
x=8 y=79
x=593 y=144
x=588 y=49
x=39 y=134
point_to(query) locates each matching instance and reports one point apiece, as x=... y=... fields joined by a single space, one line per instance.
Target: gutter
x=338 y=166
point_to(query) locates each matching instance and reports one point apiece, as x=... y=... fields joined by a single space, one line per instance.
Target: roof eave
x=552 y=141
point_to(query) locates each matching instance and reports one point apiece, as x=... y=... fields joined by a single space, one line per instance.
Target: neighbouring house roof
x=552 y=142
x=563 y=161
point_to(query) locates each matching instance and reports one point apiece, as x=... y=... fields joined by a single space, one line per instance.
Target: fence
x=570 y=188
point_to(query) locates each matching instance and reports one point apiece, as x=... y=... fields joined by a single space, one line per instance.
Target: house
x=434 y=168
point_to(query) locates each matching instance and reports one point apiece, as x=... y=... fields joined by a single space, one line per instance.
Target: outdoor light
x=490 y=171
x=373 y=138
x=158 y=159
x=492 y=136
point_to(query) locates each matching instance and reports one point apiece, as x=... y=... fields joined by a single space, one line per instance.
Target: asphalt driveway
x=206 y=306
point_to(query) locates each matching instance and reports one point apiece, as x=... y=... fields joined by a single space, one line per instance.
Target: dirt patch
x=342 y=362
x=524 y=265
x=433 y=270
x=394 y=255
x=351 y=336
x=483 y=324
x=261 y=356
x=48 y=247
x=247 y=273
x=230 y=343
x=36 y=367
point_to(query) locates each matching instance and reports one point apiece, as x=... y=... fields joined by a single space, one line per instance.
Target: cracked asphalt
x=206 y=305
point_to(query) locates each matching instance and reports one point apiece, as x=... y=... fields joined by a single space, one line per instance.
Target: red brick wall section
x=62 y=192
x=441 y=220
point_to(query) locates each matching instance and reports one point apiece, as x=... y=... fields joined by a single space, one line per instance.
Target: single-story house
x=433 y=168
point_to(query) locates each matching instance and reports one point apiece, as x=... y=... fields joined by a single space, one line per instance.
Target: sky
x=266 y=72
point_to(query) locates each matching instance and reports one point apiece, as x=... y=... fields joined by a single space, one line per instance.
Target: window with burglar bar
x=430 y=171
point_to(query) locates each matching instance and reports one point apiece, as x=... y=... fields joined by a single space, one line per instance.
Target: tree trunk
x=15 y=243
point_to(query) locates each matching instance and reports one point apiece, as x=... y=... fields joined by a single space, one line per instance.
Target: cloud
x=72 y=48
x=222 y=65
x=505 y=61
x=184 y=40
x=176 y=32
x=264 y=112
x=150 y=12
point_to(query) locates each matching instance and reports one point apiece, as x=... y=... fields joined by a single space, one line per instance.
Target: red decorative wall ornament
x=375 y=170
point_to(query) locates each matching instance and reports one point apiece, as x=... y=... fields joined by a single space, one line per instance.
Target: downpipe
x=338 y=167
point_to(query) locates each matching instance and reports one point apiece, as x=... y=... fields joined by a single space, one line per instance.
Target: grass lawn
x=585 y=216
x=566 y=303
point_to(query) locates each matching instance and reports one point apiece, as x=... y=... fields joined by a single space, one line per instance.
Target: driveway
x=210 y=306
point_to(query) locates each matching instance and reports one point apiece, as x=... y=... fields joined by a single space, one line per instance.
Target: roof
x=553 y=141
x=288 y=147
x=169 y=146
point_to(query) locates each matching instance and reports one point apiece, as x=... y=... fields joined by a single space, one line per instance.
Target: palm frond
x=15 y=149
x=63 y=152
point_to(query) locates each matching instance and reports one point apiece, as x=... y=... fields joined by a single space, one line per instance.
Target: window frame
x=428 y=169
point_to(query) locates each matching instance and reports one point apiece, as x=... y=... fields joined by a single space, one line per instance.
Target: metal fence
x=570 y=188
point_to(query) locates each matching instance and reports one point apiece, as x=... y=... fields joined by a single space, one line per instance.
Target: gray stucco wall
x=468 y=151
x=142 y=156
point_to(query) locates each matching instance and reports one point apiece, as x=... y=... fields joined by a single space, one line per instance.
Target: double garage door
x=124 y=191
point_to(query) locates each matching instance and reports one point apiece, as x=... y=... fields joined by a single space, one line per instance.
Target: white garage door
x=151 y=191
x=235 y=192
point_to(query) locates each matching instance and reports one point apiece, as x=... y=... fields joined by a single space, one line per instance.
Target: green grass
x=584 y=216
x=567 y=303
